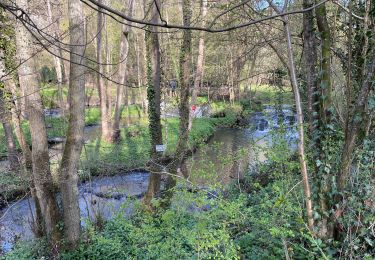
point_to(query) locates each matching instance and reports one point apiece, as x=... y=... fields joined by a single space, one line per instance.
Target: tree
x=40 y=158
x=103 y=95
x=122 y=75
x=11 y=147
x=184 y=79
x=153 y=96
x=325 y=86
x=324 y=121
x=5 y=120
x=184 y=109
x=310 y=60
x=297 y=100
x=74 y=140
x=57 y=59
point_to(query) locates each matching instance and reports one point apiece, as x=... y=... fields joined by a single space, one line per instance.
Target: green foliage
x=27 y=250
x=251 y=222
x=7 y=42
x=56 y=127
x=131 y=152
x=359 y=217
x=92 y=116
x=268 y=94
x=48 y=75
x=176 y=233
x=259 y=217
x=49 y=92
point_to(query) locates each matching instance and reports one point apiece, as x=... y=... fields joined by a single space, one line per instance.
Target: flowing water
x=227 y=156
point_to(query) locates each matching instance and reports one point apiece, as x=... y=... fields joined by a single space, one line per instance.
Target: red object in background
x=193 y=107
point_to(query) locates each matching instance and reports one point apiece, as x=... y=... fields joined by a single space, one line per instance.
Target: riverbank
x=132 y=152
x=117 y=171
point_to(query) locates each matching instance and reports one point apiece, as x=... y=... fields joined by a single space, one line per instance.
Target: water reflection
x=222 y=159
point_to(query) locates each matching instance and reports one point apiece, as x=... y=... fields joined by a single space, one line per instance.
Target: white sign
x=160 y=147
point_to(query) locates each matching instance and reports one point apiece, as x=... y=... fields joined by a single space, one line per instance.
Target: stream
x=106 y=195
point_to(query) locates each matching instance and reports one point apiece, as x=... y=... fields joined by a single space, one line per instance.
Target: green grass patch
x=268 y=95
x=133 y=151
x=56 y=127
x=49 y=94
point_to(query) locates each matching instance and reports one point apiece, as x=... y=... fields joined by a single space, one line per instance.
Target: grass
x=267 y=94
x=133 y=151
x=56 y=127
x=49 y=94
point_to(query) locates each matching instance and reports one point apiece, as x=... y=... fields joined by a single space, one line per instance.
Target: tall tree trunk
x=325 y=78
x=310 y=59
x=16 y=111
x=153 y=96
x=184 y=79
x=124 y=51
x=325 y=118
x=105 y=120
x=40 y=158
x=11 y=147
x=74 y=139
x=301 y=141
x=297 y=99
x=59 y=65
x=355 y=124
x=5 y=116
x=200 y=61
x=108 y=82
x=143 y=61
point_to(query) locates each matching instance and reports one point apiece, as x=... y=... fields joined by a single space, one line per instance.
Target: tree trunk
x=124 y=51
x=59 y=65
x=184 y=109
x=325 y=78
x=16 y=111
x=105 y=120
x=301 y=141
x=310 y=58
x=184 y=78
x=143 y=62
x=297 y=100
x=355 y=125
x=40 y=158
x=153 y=96
x=325 y=117
x=11 y=147
x=5 y=120
x=74 y=140
x=200 y=61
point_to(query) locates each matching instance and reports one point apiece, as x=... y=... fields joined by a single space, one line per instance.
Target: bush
x=175 y=233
